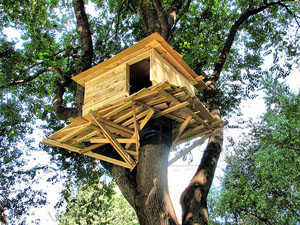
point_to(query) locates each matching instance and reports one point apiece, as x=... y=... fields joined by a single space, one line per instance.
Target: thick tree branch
x=26 y=80
x=233 y=31
x=62 y=112
x=193 y=199
x=149 y=16
x=163 y=19
x=86 y=43
x=184 y=10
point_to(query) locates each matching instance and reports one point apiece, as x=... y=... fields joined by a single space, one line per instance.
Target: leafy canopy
x=31 y=65
x=262 y=177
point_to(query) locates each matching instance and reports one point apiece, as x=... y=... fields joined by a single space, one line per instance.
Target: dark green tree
x=221 y=40
x=261 y=182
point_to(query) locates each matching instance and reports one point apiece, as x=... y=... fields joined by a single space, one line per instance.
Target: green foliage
x=261 y=183
x=17 y=178
x=49 y=40
x=200 y=37
x=96 y=203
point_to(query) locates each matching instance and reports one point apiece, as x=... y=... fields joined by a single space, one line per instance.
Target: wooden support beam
x=114 y=130
x=125 y=156
x=90 y=148
x=87 y=136
x=188 y=149
x=146 y=95
x=181 y=129
x=172 y=109
x=147 y=118
x=74 y=132
x=134 y=153
x=106 y=141
x=136 y=132
x=60 y=145
x=108 y=159
x=127 y=115
x=116 y=125
x=117 y=110
x=139 y=116
x=187 y=110
x=78 y=120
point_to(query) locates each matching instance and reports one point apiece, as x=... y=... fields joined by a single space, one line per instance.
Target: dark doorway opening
x=139 y=76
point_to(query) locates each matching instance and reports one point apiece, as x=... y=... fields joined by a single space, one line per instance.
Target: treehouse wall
x=161 y=71
x=106 y=88
x=129 y=77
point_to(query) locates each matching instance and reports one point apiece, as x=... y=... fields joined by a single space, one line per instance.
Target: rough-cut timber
x=147 y=80
x=123 y=122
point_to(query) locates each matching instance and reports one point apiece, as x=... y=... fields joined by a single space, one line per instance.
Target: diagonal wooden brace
x=117 y=146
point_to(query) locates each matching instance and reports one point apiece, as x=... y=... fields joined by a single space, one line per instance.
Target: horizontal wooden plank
x=172 y=109
x=60 y=145
x=119 y=109
x=110 y=160
x=105 y=140
x=75 y=132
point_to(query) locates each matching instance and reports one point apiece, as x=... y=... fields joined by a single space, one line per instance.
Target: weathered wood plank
x=60 y=145
x=119 y=109
x=106 y=141
x=75 y=132
x=125 y=156
x=181 y=129
x=172 y=109
x=188 y=149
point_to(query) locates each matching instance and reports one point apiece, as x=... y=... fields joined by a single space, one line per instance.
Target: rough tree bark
x=194 y=198
x=146 y=187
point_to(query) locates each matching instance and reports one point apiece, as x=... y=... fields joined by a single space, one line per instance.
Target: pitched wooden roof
x=154 y=41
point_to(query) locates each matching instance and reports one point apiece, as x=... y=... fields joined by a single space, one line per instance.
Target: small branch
x=230 y=38
x=24 y=81
x=290 y=12
x=185 y=9
x=118 y=18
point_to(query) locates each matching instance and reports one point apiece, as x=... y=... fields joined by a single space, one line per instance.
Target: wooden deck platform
x=119 y=124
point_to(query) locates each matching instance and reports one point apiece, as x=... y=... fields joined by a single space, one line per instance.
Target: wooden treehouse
x=147 y=80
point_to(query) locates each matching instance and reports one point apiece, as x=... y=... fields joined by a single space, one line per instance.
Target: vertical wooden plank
x=127 y=80
x=136 y=129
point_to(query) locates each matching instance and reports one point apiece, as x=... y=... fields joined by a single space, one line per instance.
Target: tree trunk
x=146 y=187
x=194 y=198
